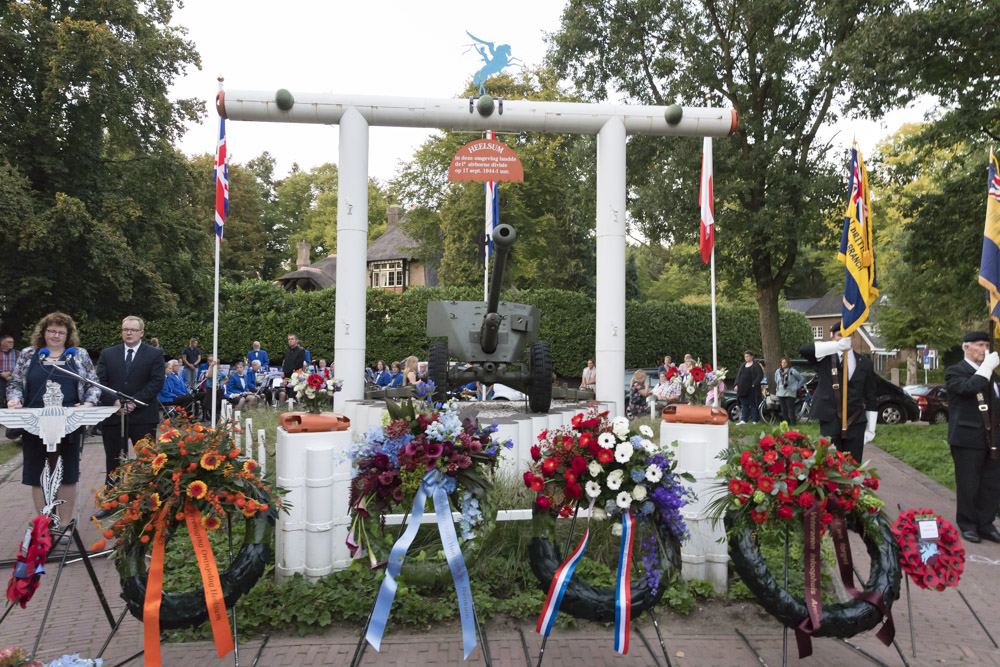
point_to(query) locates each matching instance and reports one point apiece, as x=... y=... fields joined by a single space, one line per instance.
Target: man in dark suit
x=294 y=360
x=827 y=405
x=973 y=419
x=136 y=369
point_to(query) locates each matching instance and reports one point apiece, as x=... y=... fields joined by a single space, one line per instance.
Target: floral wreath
x=30 y=563
x=617 y=469
x=190 y=474
x=390 y=462
x=931 y=563
x=786 y=480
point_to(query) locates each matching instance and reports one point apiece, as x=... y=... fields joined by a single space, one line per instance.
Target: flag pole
x=715 y=347
x=215 y=300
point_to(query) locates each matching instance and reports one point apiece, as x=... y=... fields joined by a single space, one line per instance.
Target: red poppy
x=315 y=381
x=697 y=373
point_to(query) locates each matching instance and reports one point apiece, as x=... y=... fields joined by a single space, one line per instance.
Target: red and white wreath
x=930 y=563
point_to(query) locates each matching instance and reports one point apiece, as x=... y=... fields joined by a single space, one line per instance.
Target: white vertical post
x=237 y=428
x=352 y=256
x=610 y=329
x=261 y=452
x=715 y=338
x=249 y=436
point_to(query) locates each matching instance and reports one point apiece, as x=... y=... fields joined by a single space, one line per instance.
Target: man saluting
x=973 y=417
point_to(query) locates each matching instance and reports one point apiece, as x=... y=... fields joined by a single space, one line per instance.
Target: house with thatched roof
x=392 y=263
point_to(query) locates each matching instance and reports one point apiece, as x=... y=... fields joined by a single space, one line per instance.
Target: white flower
x=624 y=452
x=620 y=426
x=690 y=389
x=593 y=489
x=595 y=468
x=616 y=529
x=648 y=445
x=646 y=431
x=597 y=514
x=311 y=393
x=615 y=479
x=639 y=493
x=624 y=500
x=606 y=440
x=653 y=473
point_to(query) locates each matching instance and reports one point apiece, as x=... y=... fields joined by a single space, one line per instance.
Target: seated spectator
x=422 y=371
x=324 y=370
x=213 y=375
x=174 y=391
x=383 y=377
x=240 y=388
x=589 y=378
x=638 y=391
x=397 y=376
x=257 y=354
x=410 y=371
x=667 y=365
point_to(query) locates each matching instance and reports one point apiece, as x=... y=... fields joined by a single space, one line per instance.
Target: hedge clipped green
x=257 y=310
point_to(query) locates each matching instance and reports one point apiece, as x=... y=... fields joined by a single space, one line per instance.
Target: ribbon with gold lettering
x=154 y=592
x=214 y=600
x=812 y=529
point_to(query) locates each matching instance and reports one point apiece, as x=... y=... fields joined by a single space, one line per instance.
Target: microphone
x=70 y=352
x=44 y=354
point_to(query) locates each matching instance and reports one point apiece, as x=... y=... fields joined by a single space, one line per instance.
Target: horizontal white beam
x=502 y=515
x=454 y=114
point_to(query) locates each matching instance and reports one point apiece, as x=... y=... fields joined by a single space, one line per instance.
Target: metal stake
x=750 y=646
x=55 y=585
x=979 y=620
x=260 y=650
x=524 y=646
x=656 y=626
x=784 y=628
x=236 y=638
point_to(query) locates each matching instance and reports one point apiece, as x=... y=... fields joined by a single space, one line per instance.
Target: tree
x=787 y=68
x=86 y=137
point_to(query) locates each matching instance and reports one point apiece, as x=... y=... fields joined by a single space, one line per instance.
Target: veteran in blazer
x=862 y=398
x=136 y=369
x=973 y=419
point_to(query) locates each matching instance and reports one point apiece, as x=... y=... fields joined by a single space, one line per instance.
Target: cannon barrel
x=503 y=238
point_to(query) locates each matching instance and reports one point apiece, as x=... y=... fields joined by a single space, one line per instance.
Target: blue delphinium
x=471 y=516
x=638 y=474
x=651 y=562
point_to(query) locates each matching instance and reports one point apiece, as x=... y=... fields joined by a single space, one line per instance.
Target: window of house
x=386 y=274
x=817 y=333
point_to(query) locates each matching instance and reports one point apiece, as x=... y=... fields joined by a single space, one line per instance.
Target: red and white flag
x=707 y=235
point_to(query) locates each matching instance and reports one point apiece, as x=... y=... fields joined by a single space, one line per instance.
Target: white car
x=502 y=392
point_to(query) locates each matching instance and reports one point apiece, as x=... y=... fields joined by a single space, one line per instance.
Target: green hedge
x=256 y=310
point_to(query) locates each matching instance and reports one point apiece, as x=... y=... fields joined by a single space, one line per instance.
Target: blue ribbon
x=432 y=485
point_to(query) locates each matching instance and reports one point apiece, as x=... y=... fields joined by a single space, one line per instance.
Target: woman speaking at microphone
x=53 y=342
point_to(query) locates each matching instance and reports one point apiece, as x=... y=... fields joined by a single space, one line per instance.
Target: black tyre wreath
x=188 y=609
x=844 y=619
x=598 y=604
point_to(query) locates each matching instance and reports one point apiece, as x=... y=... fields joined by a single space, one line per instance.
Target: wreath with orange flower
x=188 y=465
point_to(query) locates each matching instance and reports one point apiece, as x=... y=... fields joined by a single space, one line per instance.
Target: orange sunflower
x=250 y=466
x=197 y=489
x=211 y=460
x=211 y=522
x=159 y=462
x=154 y=502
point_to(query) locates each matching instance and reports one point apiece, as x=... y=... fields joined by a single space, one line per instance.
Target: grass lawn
x=920 y=446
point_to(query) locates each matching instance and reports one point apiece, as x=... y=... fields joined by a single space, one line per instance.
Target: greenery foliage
x=258 y=310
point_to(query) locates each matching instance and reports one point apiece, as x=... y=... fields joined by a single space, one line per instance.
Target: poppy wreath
x=938 y=564
x=789 y=481
x=190 y=474
x=602 y=461
x=30 y=560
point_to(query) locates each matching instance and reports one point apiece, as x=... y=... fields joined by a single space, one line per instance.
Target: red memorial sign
x=486 y=160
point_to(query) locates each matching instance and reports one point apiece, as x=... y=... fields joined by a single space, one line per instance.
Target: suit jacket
x=143 y=380
x=233 y=384
x=861 y=393
x=965 y=422
x=294 y=359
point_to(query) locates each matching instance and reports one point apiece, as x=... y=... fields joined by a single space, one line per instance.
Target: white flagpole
x=715 y=341
x=215 y=315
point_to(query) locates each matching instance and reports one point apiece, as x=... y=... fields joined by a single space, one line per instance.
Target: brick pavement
x=947 y=633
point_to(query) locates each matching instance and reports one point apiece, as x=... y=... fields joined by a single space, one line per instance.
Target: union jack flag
x=221 y=176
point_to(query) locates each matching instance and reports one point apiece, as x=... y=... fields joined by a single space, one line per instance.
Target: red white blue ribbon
x=558 y=587
x=623 y=590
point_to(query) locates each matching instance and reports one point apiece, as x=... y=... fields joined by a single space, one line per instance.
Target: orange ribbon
x=214 y=599
x=154 y=593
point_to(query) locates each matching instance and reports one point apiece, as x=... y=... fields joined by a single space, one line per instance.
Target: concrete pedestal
x=696 y=450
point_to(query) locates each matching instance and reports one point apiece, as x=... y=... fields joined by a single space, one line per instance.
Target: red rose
x=806 y=500
x=747 y=487
x=746 y=456
x=574 y=491
x=528 y=477
x=579 y=464
x=831 y=486
x=577 y=418
x=542 y=502
x=770 y=456
x=594 y=448
x=765 y=484
x=786 y=450
x=766 y=442
x=605 y=455
x=549 y=466
x=536 y=453
x=827 y=518
x=785 y=512
x=776 y=468
x=759 y=517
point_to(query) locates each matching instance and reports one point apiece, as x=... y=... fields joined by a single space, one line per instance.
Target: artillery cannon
x=496 y=341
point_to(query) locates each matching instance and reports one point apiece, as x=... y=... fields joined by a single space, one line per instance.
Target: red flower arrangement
x=30 y=561
x=933 y=564
x=783 y=476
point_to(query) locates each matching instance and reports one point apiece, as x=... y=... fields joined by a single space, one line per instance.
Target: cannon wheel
x=540 y=392
x=437 y=368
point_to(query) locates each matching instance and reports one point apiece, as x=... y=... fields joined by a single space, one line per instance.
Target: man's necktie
x=128 y=358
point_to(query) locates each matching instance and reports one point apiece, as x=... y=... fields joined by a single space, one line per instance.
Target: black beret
x=975 y=337
x=834 y=328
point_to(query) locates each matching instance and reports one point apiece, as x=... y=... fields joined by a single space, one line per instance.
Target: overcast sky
x=382 y=47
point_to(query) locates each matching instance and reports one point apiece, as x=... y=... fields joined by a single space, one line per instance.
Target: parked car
x=932 y=400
